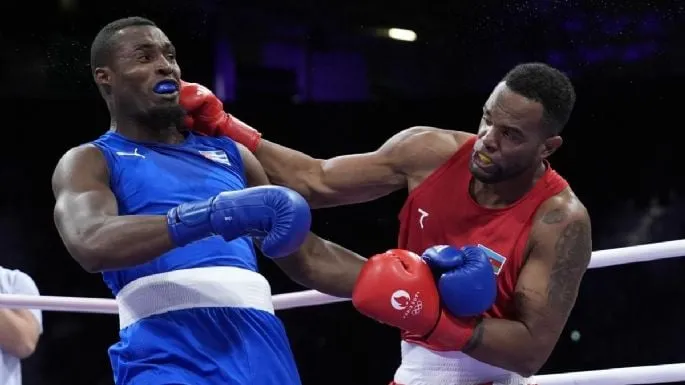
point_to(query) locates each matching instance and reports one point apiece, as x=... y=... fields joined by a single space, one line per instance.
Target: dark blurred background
x=326 y=78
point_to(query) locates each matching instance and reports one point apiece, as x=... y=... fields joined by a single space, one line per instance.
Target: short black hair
x=547 y=86
x=100 y=49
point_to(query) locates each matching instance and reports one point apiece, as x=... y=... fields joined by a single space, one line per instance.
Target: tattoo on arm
x=555 y=216
x=572 y=252
x=572 y=257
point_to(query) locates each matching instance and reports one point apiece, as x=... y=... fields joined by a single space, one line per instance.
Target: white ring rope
x=602 y=258
x=656 y=374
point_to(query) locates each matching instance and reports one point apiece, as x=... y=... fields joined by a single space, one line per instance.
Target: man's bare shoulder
x=84 y=158
x=434 y=136
x=86 y=150
x=559 y=212
x=83 y=155
x=566 y=201
x=426 y=146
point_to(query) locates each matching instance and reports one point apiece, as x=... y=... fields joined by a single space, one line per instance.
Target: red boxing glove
x=397 y=288
x=206 y=115
x=450 y=333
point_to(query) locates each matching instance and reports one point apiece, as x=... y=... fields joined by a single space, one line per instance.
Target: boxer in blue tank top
x=169 y=218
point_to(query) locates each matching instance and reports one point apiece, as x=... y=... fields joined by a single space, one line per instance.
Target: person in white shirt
x=19 y=328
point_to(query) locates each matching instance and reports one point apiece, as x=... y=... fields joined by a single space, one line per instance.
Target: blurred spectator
x=19 y=328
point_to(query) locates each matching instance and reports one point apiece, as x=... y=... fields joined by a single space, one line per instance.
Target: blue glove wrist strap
x=189 y=222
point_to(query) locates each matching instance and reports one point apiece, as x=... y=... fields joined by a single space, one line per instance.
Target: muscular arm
x=318 y=264
x=545 y=294
x=324 y=266
x=344 y=179
x=86 y=216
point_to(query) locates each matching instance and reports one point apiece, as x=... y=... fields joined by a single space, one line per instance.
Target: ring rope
x=600 y=258
x=656 y=374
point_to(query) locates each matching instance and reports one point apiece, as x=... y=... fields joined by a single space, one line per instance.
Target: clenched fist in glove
x=398 y=288
x=466 y=279
x=206 y=115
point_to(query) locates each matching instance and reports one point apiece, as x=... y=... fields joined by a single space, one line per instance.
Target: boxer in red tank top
x=494 y=190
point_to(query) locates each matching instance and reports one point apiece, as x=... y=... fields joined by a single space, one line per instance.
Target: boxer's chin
x=164 y=116
x=486 y=176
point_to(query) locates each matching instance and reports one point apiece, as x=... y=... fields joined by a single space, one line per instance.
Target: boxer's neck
x=502 y=194
x=139 y=131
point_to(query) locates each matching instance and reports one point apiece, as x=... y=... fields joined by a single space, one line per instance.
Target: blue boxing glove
x=279 y=217
x=466 y=279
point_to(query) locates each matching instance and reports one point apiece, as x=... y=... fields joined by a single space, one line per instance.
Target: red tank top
x=441 y=211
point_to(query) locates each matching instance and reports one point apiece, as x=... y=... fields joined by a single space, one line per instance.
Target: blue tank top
x=151 y=178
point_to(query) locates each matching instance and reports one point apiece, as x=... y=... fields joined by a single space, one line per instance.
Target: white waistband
x=421 y=366
x=192 y=288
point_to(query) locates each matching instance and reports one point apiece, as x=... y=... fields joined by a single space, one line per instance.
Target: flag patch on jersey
x=496 y=259
x=218 y=156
